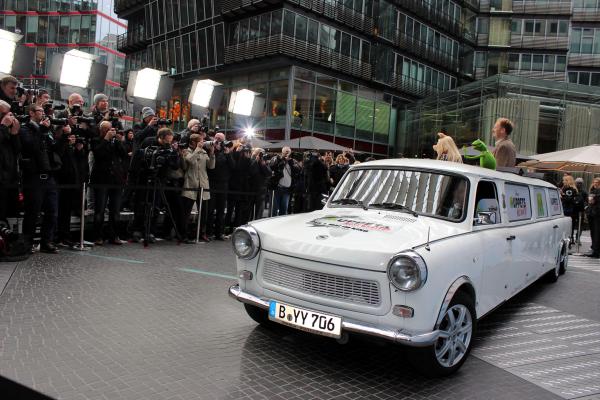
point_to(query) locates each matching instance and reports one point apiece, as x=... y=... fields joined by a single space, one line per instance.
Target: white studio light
x=243 y=101
x=8 y=45
x=76 y=68
x=203 y=92
x=249 y=132
x=147 y=83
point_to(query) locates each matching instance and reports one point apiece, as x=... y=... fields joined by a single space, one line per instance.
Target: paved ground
x=134 y=323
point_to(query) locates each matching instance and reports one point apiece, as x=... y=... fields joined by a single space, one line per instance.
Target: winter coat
x=196 y=164
x=10 y=147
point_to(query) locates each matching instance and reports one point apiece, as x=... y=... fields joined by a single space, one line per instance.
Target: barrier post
x=82 y=218
x=199 y=215
x=272 y=203
x=578 y=235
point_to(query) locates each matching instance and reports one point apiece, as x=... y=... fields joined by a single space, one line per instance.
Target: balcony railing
x=328 y=8
x=584 y=60
x=122 y=6
x=585 y=15
x=554 y=76
x=132 y=40
x=423 y=50
x=409 y=85
x=289 y=46
x=432 y=14
x=536 y=7
x=535 y=42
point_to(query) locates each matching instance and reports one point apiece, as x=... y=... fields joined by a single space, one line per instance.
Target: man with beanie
x=147 y=128
x=192 y=127
x=100 y=107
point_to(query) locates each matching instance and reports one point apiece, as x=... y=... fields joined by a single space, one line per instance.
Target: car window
x=487 y=210
x=540 y=202
x=430 y=193
x=555 y=206
x=519 y=202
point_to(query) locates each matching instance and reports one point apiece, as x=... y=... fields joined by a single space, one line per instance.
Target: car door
x=545 y=232
x=496 y=250
x=523 y=236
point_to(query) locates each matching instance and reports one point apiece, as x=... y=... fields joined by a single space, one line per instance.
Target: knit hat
x=147 y=112
x=99 y=97
x=192 y=123
x=579 y=180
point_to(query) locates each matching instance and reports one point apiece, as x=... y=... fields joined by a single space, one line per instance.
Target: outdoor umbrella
x=256 y=142
x=308 y=143
x=580 y=159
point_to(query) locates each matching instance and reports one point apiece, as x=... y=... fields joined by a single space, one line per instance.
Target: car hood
x=349 y=236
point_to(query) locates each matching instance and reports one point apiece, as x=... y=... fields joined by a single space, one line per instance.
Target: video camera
x=164 y=121
x=157 y=158
x=28 y=91
x=59 y=121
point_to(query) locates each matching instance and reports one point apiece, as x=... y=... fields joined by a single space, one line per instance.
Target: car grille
x=352 y=290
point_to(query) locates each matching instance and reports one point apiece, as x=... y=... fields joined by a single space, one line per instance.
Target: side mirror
x=485 y=218
x=325 y=198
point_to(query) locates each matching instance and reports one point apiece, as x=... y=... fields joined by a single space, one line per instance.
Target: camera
x=156 y=158
x=49 y=105
x=208 y=144
x=81 y=119
x=164 y=121
x=76 y=110
x=28 y=91
x=23 y=119
x=114 y=113
x=59 y=121
x=81 y=140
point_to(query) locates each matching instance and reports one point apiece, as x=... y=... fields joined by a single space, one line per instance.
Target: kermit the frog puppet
x=486 y=158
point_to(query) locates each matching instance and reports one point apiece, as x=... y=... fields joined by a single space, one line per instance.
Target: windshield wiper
x=348 y=200
x=394 y=206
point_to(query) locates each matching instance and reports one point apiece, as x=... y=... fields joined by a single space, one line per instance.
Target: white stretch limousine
x=413 y=251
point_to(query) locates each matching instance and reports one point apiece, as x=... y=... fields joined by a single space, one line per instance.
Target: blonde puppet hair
x=446 y=145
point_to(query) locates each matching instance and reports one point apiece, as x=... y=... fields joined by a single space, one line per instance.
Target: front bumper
x=348 y=325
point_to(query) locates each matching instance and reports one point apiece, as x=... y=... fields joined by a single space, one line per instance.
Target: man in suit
x=505 y=151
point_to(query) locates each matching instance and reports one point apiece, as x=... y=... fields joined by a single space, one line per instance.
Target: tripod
x=149 y=213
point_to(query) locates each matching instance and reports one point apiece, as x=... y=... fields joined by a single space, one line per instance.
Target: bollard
x=272 y=203
x=578 y=235
x=82 y=219
x=199 y=215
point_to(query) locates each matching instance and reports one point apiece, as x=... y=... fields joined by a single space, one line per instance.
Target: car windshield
x=423 y=192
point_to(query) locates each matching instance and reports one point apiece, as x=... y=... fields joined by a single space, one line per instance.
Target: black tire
x=257 y=314
x=564 y=261
x=552 y=275
x=425 y=359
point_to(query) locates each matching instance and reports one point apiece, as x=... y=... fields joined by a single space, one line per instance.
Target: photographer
x=237 y=203
x=42 y=97
x=193 y=126
x=337 y=170
x=316 y=178
x=285 y=169
x=10 y=147
x=198 y=159
x=259 y=176
x=219 y=178
x=150 y=166
x=40 y=163
x=109 y=154
x=147 y=129
x=100 y=108
x=73 y=172
x=8 y=89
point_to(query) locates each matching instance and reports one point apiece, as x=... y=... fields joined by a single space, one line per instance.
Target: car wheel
x=257 y=314
x=563 y=260
x=552 y=275
x=453 y=346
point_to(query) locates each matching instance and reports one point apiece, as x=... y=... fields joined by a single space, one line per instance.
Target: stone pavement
x=134 y=323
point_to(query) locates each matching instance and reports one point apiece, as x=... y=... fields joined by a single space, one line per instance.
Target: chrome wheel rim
x=456 y=331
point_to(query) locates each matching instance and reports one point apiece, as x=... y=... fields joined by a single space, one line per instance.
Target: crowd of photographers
x=47 y=154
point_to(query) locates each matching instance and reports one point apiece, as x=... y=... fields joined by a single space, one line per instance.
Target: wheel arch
x=461 y=284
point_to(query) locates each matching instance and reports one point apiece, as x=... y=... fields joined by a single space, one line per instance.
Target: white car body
x=491 y=263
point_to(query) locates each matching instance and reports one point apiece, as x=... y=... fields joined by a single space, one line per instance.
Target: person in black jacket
x=316 y=178
x=40 y=163
x=219 y=178
x=148 y=128
x=593 y=214
x=109 y=156
x=237 y=203
x=10 y=147
x=259 y=176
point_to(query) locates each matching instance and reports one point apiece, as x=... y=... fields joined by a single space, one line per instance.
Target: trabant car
x=413 y=251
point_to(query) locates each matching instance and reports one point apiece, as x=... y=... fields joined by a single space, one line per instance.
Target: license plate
x=305 y=320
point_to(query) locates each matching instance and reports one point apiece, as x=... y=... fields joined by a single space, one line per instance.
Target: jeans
x=40 y=195
x=103 y=196
x=281 y=201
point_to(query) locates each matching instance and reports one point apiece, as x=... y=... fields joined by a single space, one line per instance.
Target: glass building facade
x=547 y=115
x=337 y=69
x=53 y=26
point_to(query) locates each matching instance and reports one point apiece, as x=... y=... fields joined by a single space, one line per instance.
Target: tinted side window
x=540 y=202
x=555 y=207
x=518 y=204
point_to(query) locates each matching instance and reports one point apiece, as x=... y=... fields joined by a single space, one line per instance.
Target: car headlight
x=246 y=243
x=407 y=271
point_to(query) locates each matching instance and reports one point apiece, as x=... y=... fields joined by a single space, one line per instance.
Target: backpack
x=12 y=245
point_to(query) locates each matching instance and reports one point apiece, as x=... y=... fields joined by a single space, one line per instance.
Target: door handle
x=555 y=227
x=511 y=237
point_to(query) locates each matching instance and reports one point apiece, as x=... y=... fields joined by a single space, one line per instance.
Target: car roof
x=448 y=166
